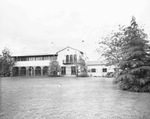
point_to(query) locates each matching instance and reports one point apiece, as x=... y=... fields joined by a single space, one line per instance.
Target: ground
x=69 y=98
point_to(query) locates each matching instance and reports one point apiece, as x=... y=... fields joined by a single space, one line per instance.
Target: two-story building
x=68 y=58
x=37 y=65
x=32 y=65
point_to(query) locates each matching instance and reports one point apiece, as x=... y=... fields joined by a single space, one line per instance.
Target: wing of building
x=98 y=68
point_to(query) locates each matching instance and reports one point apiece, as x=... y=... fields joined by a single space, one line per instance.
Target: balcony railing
x=68 y=62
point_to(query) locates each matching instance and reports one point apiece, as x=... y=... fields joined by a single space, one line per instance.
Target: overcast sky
x=45 y=26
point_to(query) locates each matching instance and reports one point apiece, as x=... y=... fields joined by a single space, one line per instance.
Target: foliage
x=110 y=47
x=110 y=75
x=54 y=68
x=82 y=68
x=6 y=62
x=134 y=66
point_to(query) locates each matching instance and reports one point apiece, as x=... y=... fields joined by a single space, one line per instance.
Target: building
x=38 y=65
x=97 y=68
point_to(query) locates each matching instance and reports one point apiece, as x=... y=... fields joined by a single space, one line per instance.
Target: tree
x=6 y=62
x=134 y=66
x=82 y=68
x=110 y=47
x=54 y=68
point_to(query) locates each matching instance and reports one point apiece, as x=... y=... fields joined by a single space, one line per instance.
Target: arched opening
x=15 y=71
x=38 y=71
x=67 y=58
x=23 y=71
x=31 y=71
x=75 y=58
x=71 y=58
x=45 y=70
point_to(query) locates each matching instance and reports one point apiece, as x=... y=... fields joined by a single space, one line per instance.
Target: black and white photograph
x=74 y=59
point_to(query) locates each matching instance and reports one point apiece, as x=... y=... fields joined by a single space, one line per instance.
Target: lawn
x=69 y=98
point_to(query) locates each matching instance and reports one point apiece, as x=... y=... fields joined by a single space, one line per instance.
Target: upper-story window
x=67 y=58
x=75 y=58
x=71 y=58
x=23 y=59
x=32 y=58
x=35 y=58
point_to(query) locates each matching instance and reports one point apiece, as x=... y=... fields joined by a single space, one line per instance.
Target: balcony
x=68 y=62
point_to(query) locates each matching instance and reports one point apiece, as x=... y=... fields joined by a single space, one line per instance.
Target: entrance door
x=63 y=70
x=73 y=70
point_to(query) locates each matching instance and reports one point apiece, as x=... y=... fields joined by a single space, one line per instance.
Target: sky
x=46 y=26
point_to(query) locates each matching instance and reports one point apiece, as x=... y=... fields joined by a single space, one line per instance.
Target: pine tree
x=134 y=68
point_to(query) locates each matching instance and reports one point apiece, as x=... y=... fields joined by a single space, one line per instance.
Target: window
x=38 y=58
x=93 y=70
x=23 y=59
x=16 y=59
x=75 y=58
x=33 y=58
x=104 y=69
x=71 y=58
x=45 y=58
x=67 y=58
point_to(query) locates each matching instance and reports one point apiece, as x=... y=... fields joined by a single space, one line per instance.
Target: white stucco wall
x=32 y=63
x=99 y=70
x=68 y=51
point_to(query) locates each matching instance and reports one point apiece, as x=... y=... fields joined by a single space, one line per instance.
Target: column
x=73 y=59
x=27 y=69
x=34 y=71
x=69 y=59
x=41 y=71
x=76 y=70
x=19 y=71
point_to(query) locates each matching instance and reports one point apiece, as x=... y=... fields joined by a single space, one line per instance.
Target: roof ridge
x=70 y=48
